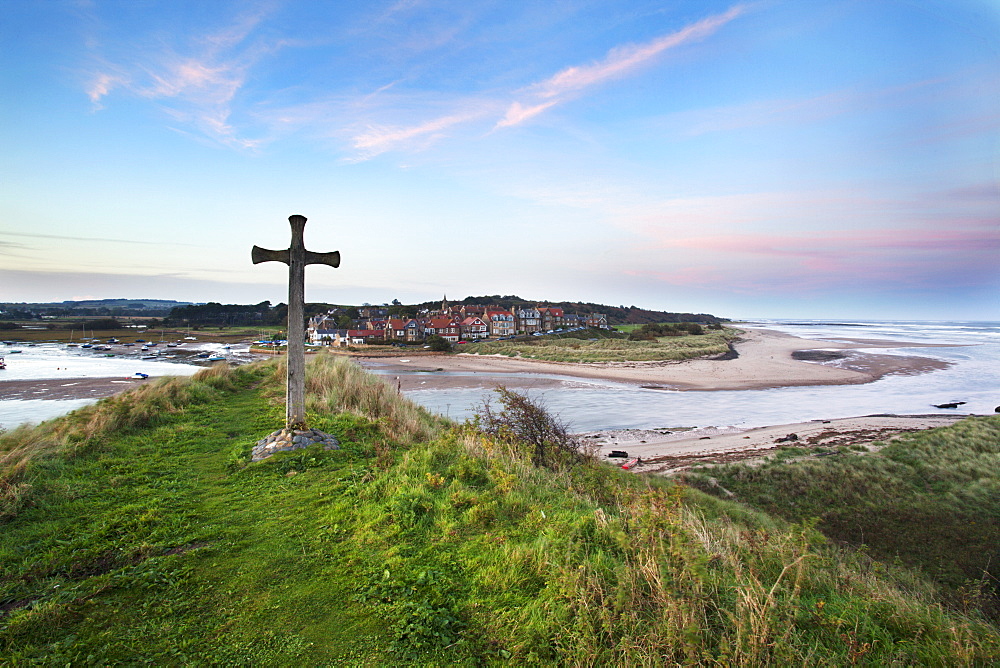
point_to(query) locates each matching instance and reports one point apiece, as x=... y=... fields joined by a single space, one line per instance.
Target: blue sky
x=835 y=159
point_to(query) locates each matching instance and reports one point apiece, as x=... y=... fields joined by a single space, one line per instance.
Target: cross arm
x=259 y=255
x=332 y=259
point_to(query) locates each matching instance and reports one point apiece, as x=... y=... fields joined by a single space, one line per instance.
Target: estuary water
x=973 y=377
x=50 y=361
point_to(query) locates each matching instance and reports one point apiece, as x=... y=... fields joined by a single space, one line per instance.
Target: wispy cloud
x=96 y=239
x=619 y=62
x=535 y=98
x=196 y=84
x=379 y=139
x=516 y=113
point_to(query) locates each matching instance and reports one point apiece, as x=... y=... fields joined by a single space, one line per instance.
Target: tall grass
x=589 y=566
x=338 y=384
x=930 y=499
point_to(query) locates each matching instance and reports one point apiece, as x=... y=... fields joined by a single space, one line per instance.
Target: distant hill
x=87 y=307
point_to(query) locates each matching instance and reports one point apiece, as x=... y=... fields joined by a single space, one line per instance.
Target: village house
x=552 y=318
x=453 y=323
x=474 y=328
x=501 y=323
x=404 y=330
x=529 y=320
x=447 y=328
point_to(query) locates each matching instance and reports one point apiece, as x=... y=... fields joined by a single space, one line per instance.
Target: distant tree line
x=227 y=315
x=91 y=309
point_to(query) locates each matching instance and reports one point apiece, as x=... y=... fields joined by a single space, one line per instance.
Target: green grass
x=930 y=500
x=557 y=349
x=143 y=536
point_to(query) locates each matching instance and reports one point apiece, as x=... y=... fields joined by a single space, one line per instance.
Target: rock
x=292 y=439
x=951 y=404
x=787 y=439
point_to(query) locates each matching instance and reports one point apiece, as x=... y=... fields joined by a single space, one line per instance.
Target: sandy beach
x=667 y=451
x=766 y=359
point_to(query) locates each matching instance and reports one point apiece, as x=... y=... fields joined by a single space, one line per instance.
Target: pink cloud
x=894 y=258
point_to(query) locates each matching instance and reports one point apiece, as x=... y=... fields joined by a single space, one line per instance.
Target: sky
x=773 y=158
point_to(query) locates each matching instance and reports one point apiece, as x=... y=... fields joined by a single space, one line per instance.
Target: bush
x=439 y=344
x=525 y=421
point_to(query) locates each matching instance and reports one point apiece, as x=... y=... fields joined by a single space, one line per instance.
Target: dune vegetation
x=555 y=348
x=930 y=500
x=136 y=531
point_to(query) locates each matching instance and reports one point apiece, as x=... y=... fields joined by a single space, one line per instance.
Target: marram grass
x=667 y=349
x=148 y=538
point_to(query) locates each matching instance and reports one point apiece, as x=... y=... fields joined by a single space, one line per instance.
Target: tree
x=438 y=343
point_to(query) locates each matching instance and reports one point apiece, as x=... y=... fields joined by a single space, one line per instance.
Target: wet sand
x=766 y=359
x=670 y=451
x=67 y=388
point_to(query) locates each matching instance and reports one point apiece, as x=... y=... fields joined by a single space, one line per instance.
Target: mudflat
x=66 y=388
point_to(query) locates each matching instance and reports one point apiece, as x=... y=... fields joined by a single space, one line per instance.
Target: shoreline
x=766 y=359
x=667 y=451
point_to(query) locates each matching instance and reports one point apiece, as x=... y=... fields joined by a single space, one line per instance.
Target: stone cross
x=296 y=257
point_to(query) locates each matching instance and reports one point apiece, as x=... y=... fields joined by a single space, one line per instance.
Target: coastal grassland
x=567 y=349
x=148 y=538
x=930 y=500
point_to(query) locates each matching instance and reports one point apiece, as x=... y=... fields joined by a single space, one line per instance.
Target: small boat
x=148 y=357
x=3 y=365
x=216 y=358
x=202 y=354
x=171 y=345
x=13 y=352
x=143 y=376
x=87 y=345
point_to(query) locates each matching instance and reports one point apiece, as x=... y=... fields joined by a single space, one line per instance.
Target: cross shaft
x=296 y=257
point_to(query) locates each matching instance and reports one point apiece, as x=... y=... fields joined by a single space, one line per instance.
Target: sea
x=972 y=350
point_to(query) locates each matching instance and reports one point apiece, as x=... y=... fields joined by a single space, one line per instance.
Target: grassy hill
x=134 y=531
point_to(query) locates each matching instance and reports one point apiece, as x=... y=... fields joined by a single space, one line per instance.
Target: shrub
x=525 y=421
x=439 y=344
